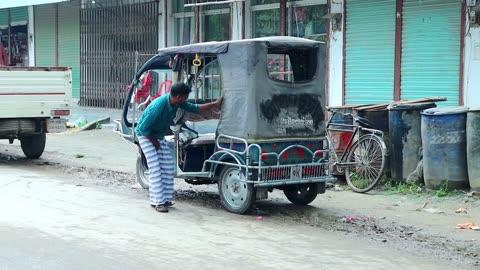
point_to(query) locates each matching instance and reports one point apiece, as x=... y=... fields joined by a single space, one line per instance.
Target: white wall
x=31 y=37
x=336 y=59
x=472 y=68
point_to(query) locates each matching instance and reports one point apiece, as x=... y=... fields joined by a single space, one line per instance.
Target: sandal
x=169 y=204
x=161 y=208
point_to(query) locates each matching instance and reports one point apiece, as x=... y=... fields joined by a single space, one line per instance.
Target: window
x=266 y=23
x=307 y=22
x=216 y=27
x=214 y=22
x=305 y=18
x=184 y=30
x=292 y=65
x=265 y=18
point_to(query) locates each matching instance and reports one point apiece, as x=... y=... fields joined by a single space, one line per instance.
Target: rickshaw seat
x=203 y=139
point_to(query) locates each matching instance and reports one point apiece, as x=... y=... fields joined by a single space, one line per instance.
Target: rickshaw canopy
x=261 y=104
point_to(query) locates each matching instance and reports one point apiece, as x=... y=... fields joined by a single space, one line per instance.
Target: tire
x=302 y=194
x=235 y=196
x=33 y=146
x=142 y=171
x=368 y=156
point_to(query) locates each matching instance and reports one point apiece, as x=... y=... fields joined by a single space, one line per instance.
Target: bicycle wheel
x=365 y=163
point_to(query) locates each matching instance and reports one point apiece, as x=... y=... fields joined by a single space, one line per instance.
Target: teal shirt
x=158 y=117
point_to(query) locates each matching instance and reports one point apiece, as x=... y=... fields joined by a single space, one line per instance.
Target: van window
x=292 y=65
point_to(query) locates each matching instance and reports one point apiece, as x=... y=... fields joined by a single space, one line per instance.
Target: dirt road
x=53 y=220
x=394 y=225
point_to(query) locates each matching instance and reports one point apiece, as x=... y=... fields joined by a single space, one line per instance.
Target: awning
x=22 y=3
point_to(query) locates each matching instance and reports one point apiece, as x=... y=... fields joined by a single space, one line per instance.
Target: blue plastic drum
x=405 y=138
x=444 y=147
x=473 y=148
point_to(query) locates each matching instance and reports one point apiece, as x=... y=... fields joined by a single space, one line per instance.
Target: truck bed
x=34 y=92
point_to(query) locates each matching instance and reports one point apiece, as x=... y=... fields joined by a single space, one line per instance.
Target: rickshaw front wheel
x=236 y=196
x=142 y=171
x=302 y=194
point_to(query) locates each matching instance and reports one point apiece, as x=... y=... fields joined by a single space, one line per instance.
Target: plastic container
x=405 y=138
x=379 y=120
x=473 y=148
x=444 y=147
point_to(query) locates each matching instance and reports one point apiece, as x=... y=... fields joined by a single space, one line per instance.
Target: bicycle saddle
x=364 y=122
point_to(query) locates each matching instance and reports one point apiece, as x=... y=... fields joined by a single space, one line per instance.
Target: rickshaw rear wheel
x=302 y=194
x=236 y=196
x=142 y=171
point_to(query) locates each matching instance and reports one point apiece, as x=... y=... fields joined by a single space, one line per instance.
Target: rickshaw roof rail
x=219 y=47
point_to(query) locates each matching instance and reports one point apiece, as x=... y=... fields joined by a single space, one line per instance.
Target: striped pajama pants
x=160 y=166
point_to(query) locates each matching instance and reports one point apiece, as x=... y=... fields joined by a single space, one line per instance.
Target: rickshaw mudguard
x=226 y=158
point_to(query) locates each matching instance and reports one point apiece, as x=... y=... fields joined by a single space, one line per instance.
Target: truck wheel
x=33 y=146
x=142 y=171
x=236 y=196
x=302 y=194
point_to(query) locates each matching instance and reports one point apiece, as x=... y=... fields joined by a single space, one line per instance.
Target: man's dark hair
x=179 y=89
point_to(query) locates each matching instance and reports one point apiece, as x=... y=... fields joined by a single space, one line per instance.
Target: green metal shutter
x=3 y=18
x=431 y=49
x=19 y=16
x=369 y=51
x=44 y=35
x=69 y=41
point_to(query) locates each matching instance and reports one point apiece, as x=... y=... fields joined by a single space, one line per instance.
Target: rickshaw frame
x=256 y=174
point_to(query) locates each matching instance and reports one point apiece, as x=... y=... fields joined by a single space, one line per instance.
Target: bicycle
x=363 y=160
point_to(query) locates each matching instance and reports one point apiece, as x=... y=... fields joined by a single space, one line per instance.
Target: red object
x=163 y=89
x=3 y=56
x=143 y=93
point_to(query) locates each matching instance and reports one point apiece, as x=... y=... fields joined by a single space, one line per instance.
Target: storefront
x=369 y=51
x=431 y=50
x=14 y=35
x=402 y=49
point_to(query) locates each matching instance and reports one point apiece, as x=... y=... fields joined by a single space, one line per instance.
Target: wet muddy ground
x=365 y=228
x=390 y=221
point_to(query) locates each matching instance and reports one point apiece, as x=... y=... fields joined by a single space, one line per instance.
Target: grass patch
x=358 y=182
x=79 y=156
x=402 y=188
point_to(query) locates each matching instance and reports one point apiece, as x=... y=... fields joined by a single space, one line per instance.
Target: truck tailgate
x=27 y=92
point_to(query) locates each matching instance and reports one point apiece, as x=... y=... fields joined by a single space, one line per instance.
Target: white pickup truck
x=33 y=101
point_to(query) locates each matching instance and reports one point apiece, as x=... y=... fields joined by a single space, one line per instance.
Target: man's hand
x=205 y=107
x=154 y=141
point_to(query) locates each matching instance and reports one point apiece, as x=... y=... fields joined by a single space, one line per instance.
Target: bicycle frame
x=354 y=129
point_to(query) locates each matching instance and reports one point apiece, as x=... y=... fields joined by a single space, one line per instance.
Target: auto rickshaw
x=270 y=132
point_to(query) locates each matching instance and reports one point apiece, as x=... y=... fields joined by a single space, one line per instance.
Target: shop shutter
x=3 y=18
x=18 y=16
x=431 y=49
x=44 y=35
x=69 y=41
x=369 y=51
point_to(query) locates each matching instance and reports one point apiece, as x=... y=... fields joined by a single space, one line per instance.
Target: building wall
x=472 y=68
x=335 y=67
